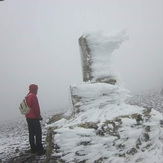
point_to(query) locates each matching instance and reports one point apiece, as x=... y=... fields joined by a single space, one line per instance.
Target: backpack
x=24 y=109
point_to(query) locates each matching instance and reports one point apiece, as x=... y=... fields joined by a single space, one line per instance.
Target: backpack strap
x=28 y=95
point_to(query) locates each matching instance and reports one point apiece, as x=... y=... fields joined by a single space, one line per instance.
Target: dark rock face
x=86 y=59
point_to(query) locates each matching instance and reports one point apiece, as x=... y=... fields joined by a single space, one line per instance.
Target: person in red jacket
x=33 y=121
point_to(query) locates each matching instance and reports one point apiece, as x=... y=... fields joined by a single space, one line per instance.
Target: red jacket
x=32 y=102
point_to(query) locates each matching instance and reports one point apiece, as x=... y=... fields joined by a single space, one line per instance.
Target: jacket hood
x=33 y=88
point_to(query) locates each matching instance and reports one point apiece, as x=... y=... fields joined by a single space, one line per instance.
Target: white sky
x=39 y=44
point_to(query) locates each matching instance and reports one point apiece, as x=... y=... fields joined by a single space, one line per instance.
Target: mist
x=39 y=44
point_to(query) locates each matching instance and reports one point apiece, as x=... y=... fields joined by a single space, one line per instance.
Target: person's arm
x=36 y=107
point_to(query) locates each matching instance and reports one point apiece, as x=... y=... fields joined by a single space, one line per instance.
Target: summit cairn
x=102 y=127
x=96 y=53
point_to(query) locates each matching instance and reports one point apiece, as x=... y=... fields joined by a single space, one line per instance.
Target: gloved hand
x=40 y=118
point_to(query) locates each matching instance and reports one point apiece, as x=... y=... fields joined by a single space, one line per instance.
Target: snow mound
x=116 y=133
x=106 y=129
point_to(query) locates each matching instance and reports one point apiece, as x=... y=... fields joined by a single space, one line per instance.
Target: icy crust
x=103 y=128
x=117 y=133
x=101 y=48
x=96 y=115
x=96 y=95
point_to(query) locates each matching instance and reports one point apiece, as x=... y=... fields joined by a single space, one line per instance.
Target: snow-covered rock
x=121 y=133
x=103 y=127
x=96 y=51
x=96 y=95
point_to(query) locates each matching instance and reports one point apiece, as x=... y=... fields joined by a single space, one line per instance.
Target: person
x=33 y=120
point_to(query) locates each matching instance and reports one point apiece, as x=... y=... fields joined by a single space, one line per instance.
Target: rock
x=104 y=128
x=96 y=50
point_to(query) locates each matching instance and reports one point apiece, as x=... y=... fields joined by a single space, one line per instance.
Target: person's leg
x=38 y=132
x=38 y=135
x=31 y=134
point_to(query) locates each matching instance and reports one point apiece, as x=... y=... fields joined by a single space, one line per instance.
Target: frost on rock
x=103 y=127
x=96 y=95
x=96 y=50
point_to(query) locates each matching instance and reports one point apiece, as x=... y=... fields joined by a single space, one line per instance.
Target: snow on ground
x=148 y=98
x=14 y=136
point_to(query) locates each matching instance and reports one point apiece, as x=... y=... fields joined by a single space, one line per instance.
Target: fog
x=39 y=44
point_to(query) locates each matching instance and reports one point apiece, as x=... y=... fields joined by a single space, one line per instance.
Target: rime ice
x=103 y=127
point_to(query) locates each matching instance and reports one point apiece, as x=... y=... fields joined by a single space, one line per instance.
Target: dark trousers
x=35 y=134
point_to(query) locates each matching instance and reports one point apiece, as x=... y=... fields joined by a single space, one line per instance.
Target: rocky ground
x=148 y=99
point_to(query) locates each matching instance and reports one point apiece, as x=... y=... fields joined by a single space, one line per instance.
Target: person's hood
x=33 y=88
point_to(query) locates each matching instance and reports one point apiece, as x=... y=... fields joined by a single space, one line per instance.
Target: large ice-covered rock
x=96 y=53
x=102 y=127
x=117 y=133
x=96 y=50
x=96 y=95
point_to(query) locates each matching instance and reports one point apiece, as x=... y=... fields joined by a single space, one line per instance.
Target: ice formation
x=102 y=127
x=96 y=50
